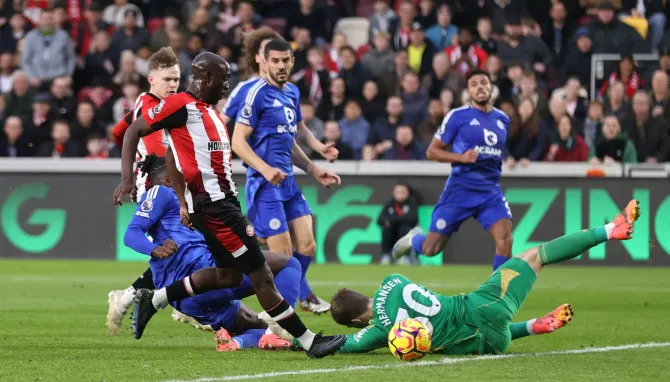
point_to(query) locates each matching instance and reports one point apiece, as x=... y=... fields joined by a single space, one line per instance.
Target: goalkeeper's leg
x=570 y=246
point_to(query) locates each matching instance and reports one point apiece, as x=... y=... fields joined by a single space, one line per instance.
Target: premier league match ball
x=409 y=340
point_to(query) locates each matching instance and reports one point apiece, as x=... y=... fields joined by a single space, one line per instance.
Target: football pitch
x=52 y=328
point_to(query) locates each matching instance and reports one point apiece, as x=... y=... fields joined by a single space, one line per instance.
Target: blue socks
x=288 y=281
x=417 y=243
x=305 y=290
x=499 y=260
x=249 y=339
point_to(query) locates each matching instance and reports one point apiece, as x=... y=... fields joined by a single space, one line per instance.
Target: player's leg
x=120 y=300
x=249 y=333
x=495 y=217
x=300 y=224
x=389 y=238
x=448 y=215
x=549 y=323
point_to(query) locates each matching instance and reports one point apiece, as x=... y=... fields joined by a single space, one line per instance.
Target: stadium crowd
x=70 y=69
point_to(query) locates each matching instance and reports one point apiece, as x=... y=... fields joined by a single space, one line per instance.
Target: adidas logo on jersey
x=474 y=122
x=276 y=103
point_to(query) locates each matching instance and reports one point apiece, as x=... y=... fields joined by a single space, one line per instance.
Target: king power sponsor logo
x=74 y=218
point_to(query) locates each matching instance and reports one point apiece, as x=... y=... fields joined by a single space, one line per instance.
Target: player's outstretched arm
x=137 y=129
x=328 y=152
x=368 y=339
x=438 y=151
x=120 y=128
x=326 y=177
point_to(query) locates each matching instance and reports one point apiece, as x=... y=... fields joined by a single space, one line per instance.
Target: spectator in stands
x=332 y=106
x=401 y=27
x=171 y=24
x=613 y=146
x=15 y=143
x=6 y=72
x=382 y=132
x=501 y=13
x=129 y=35
x=578 y=60
x=427 y=128
x=63 y=102
x=419 y=51
x=332 y=134
x=414 y=100
x=654 y=12
x=194 y=46
x=20 y=98
x=373 y=102
x=311 y=18
x=353 y=73
x=611 y=35
x=38 y=126
x=235 y=35
x=575 y=104
x=301 y=45
x=466 y=56
x=115 y=14
x=485 y=36
x=12 y=34
x=209 y=6
x=447 y=97
x=442 y=76
x=499 y=78
x=558 y=34
x=331 y=58
x=60 y=145
x=313 y=123
x=592 y=127
x=101 y=97
x=617 y=102
x=102 y=60
x=405 y=146
x=442 y=34
x=628 y=74
x=85 y=123
x=528 y=90
x=557 y=109
x=660 y=94
x=566 y=145
x=426 y=15
x=397 y=218
x=48 y=52
x=354 y=128
x=96 y=147
x=527 y=141
x=649 y=134
x=314 y=79
x=382 y=19
x=530 y=51
x=198 y=23
x=380 y=60
x=128 y=72
x=130 y=91
x=391 y=82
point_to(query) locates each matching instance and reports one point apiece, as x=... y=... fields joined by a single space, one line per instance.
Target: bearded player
x=164 y=75
x=288 y=229
x=471 y=138
x=177 y=251
x=477 y=322
x=264 y=138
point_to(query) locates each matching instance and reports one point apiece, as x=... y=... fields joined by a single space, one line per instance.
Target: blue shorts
x=271 y=218
x=458 y=203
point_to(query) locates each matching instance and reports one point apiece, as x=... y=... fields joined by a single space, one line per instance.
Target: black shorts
x=229 y=235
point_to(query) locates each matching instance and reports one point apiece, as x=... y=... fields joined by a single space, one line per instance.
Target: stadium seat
x=355 y=28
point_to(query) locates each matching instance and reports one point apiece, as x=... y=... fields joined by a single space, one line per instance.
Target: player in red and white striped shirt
x=201 y=171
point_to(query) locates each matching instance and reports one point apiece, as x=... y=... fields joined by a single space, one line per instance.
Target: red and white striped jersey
x=155 y=143
x=201 y=146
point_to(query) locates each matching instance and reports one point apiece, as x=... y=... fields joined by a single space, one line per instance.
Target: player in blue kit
x=178 y=251
x=475 y=134
x=264 y=138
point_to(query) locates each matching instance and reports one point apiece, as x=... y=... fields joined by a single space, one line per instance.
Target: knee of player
x=262 y=278
x=306 y=246
x=281 y=244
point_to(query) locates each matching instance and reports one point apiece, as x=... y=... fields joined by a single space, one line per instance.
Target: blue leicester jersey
x=466 y=128
x=274 y=115
x=236 y=98
x=157 y=214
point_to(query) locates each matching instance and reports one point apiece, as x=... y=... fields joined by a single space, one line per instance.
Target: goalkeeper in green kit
x=475 y=323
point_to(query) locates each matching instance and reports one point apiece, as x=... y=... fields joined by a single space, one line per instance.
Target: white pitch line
x=444 y=361
x=123 y=281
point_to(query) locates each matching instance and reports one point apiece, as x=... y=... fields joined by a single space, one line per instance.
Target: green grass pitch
x=52 y=316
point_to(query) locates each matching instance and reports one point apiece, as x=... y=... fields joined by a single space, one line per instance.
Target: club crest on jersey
x=250 y=230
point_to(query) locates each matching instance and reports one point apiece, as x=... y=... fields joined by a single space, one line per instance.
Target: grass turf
x=52 y=316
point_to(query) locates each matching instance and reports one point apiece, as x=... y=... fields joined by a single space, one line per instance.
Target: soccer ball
x=409 y=340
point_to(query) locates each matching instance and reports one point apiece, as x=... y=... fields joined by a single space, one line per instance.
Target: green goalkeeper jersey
x=444 y=316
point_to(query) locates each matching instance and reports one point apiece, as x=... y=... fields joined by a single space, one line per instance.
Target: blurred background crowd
x=376 y=76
